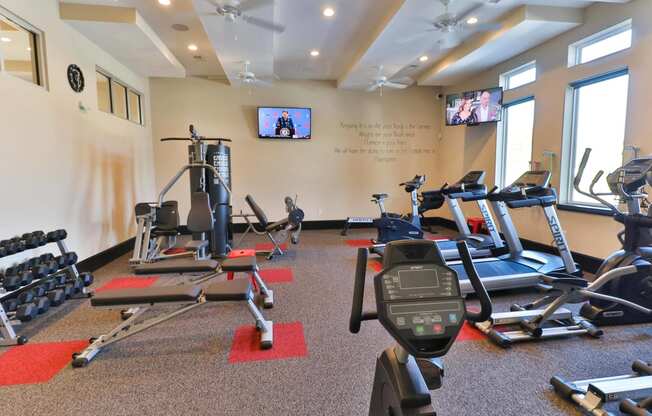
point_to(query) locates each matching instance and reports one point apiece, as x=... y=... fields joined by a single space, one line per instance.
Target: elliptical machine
x=627 y=183
x=392 y=227
x=419 y=302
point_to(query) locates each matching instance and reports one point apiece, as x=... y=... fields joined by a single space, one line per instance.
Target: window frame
x=501 y=143
x=37 y=43
x=569 y=151
x=506 y=76
x=111 y=80
x=575 y=49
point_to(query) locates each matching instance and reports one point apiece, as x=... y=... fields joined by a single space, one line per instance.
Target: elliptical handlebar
x=486 y=307
x=592 y=194
x=357 y=316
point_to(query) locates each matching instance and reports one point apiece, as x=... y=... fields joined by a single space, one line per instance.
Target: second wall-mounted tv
x=474 y=107
x=284 y=123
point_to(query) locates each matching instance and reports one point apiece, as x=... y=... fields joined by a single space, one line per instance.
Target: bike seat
x=379 y=197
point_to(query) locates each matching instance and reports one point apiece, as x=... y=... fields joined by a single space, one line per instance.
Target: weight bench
x=290 y=226
x=185 y=297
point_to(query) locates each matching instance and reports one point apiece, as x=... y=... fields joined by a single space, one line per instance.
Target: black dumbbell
x=77 y=285
x=87 y=278
x=26 y=312
x=11 y=282
x=3 y=251
x=54 y=236
x=40 y=290
x=49 y=285
x=42 y=305
x=57 y=297
x=25 y=297
x=10 y=305
x=66 y=259
x=59 y=279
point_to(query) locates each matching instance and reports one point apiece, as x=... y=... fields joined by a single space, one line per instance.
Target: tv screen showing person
x=474 y=107
x=284 y=123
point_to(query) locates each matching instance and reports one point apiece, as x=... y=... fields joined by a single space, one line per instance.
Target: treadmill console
x=530 y=189
x=470 y=186
x=418 y=299
x=632 y=176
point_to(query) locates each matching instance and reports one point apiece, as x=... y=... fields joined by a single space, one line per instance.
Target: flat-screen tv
x=284 y=123
x=474 y=107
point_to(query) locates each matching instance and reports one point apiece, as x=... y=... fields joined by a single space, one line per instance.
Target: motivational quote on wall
x=386 y=142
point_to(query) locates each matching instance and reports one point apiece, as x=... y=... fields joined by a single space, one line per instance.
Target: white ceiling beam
x=371 y=38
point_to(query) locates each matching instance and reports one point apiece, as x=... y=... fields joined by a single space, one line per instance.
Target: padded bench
x=180 y=265
x=189 y=296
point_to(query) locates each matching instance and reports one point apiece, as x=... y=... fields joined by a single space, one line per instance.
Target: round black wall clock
x=75 y=78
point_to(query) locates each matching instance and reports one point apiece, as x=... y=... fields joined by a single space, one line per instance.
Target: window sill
x=585 y=209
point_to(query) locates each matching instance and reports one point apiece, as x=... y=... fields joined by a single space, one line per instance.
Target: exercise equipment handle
x=486 y=307
x=580 y=171
x=357 y=316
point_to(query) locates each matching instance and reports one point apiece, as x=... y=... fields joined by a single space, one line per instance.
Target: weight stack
x=219 y=156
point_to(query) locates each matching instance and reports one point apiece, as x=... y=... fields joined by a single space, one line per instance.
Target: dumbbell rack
x=8 y=336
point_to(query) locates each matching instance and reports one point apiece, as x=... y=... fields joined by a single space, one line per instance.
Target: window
x=20 y=49
x=114 y=97
x=134 y=107
x=599 y=113
x=520 y=76
x=103 y=93
x=606 y=42
x=514 y=150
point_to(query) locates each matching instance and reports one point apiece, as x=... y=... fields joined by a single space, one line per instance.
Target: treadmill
x=522 y=268
x=470 y=188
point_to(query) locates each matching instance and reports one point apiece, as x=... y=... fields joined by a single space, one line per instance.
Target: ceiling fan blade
x=373 y=87
x=396 y=85
x=415 y=37
x=265 y=24
x=404 y=80
x=249 y=5
x=450 y=41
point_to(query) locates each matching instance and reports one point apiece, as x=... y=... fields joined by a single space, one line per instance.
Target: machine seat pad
x=196 y=245
x=151 y=295
x=277 y=225
x=577 y=282
x=240 y=264
x=229 y=290
x=160 y=232
x=180 y=265
x=379 y=196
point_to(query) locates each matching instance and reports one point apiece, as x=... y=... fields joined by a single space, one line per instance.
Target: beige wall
x=332 y=183
x=63 y=167
x=463 y=149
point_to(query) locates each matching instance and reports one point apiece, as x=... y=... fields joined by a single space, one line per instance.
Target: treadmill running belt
x=494 y=268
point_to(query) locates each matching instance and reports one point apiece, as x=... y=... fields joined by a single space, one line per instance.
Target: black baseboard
x=107 y=256
x=587 y=262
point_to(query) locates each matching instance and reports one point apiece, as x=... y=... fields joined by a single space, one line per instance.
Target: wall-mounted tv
x=284 y=123
x=474 y=107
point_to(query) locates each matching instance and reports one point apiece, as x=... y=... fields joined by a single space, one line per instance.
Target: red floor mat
x=359 y=243
x=269 y=247
x=469 y=333
x=36 y=363
x=375 y=265
x=277 y=275
x=289 y=342
x=129 y=283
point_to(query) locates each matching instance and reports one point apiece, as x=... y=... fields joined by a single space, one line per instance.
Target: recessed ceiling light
x=193 y=47
x=329 y=12
x=164 y=2
x=314 y=52
x=5 y=39
x=472 y=20
x=424 y=58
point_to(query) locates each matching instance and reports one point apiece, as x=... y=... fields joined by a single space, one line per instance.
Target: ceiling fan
x=453 y=25
x=248 y=78
x=234 y=10
x=380 y=81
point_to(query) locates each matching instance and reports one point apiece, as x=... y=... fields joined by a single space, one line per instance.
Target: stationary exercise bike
x=419 y=302
x=627 y=183
x=392 y=227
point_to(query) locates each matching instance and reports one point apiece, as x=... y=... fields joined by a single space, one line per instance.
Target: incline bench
x=186 y=297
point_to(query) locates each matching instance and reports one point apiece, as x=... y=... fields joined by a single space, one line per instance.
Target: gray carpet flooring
x=181 y=367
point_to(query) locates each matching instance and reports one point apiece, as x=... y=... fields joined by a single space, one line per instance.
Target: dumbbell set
x=30 y=241
x=51 y=291
x=32 y=287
